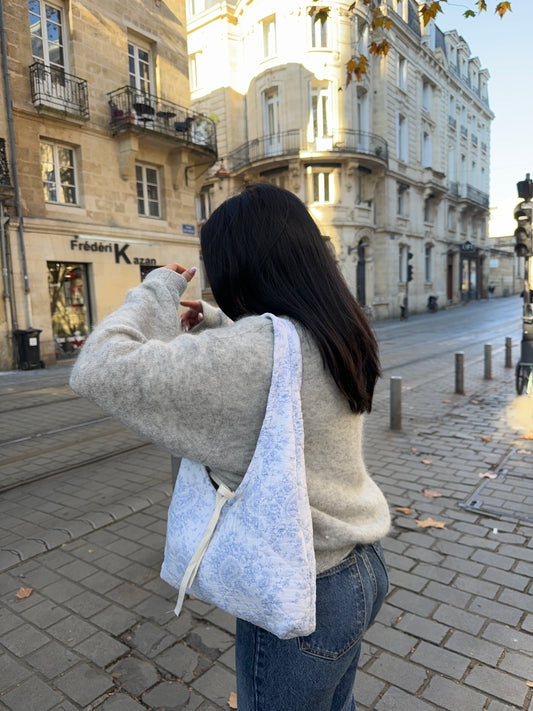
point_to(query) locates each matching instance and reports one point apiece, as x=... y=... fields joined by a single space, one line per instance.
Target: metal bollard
x=396 y=402
x=508 y=352
x=460 y=373
x=488 y=362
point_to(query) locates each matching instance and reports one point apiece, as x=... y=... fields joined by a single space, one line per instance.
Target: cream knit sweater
x=203 y=396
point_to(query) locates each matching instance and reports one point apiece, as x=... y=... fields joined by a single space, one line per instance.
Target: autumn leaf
x=317 y=14
x=431 y=494
x=430 y=523
x=428 y=11
x=527 y=436
x=232 y=701
x=481 y=6
x=427 y=461
x=486 y=439
x=23 y=593
x=487 y=475
x=405 y=510
x=469 y=13
x=502 y=8
x=529 y=683
x=523 y=451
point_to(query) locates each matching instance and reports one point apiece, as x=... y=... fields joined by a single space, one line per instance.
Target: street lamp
x=523 y=214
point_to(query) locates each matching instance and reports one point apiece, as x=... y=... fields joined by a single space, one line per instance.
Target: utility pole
x=523 y=214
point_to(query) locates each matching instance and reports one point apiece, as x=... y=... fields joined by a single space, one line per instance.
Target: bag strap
x=223 y=495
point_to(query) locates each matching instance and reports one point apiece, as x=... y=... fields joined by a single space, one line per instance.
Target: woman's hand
x=186 y=273
x=193 y=316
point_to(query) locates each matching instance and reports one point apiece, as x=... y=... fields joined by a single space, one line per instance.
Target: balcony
x=473 y=138
x=135 y=111
x=452 y=122
x=292 y=143
x=6 y=189
x=453 y=188
x=464 y=131
x=477 y=196
x=52 y=88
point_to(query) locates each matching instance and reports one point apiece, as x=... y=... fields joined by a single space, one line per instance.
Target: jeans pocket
x=340 y=612
x=378 y=550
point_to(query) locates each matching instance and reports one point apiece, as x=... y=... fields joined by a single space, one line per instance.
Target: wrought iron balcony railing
x=129 y=108
x=5 y=180
x=477 y=196
x=453 y=188
x=292 y=143
x=54 y=88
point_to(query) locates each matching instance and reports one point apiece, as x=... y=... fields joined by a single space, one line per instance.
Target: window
x=147 y=179
x=194 y=66
x=473 y=175
x=46 y=29
x=320 y=111
x=140 y=68
x=401 y=137
x=403 y=255
x=269 y=37
x=321 y=185
x=58 y=173
x=428 y=210
x=318 y=32
x=195 y=6
x=363 y=34
x=402 y=199
x=451 y=219
x=428 y=263
x=204 y=203
x=400 y=8
x=427 y=96
x=427 y=150
x=271 y=118
x=402 y=73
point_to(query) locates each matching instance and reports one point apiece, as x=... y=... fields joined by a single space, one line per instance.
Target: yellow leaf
x=487 y=475
x=405 y=510
x=24 y=592
x=427 y=461
x=527 y=436
x=486 y=439
x=430 y=523
x=232 y=701
x=482 y=5
x=502 y=8
x=431 y=494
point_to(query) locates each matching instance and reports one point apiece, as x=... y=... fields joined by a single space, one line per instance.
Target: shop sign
x=119 y=251
x=468 y=247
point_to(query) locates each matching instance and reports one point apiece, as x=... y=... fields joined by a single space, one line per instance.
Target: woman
x=203 y=396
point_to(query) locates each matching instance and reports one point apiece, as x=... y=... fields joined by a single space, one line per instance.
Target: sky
x=504 y=48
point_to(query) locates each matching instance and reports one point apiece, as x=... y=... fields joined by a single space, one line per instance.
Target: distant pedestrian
x=202 y=394
x=401 y=301
x=492 y=289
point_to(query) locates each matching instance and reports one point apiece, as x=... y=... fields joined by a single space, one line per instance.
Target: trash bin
x=28 y=348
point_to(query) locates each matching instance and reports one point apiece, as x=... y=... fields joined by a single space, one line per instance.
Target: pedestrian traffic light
x=409 y=267
x=523 y=214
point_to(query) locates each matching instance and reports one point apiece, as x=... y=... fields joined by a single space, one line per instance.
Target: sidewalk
x=456 y=632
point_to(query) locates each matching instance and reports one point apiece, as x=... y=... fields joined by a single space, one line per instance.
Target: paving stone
x=11 y=672
x=517 y=664
x=496 y=611
x=216 y=685
x=115 y=619
x=522 y=601
x=102 y=582
x=137 y=573
x=475 y=648
x=71 y=630
x=510 y=638
x=52 y=659
x=83 y=684
x=8 y=559
x=390 y=639
x=209 y=640
x=184 y=663
x=101 y=649
x=45 y=614
x=527 y=624
x=496 y=683
x=422 y=628
x=448 y=594
x=397 y=700
x=120 y=702
x=9 y=620
x=134 y=675
x=406 y=600
x=32 y=695
x=456 y=618
x=156 y=608
x=504 y=577
x=180 y=626
x=167 y=696
x=398 y=672
x=87 y=604
x=149 y=639
x=127 y=594
x=440 y=660
x=23 y=640
x=62 y=590
x=453 y=696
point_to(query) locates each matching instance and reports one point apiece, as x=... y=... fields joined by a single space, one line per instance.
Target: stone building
x=394 y=167
x=101 y=145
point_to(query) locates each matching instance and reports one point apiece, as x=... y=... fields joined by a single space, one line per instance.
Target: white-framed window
x=402 y=197
x=363 y=35
x=400 y=8
x=195 y=6
x=47 y=33
x=320 y=111
x=401 y=137
x=427 y=150
x=272 y=121
x=195 y=62
x=204 y=203
x=140 y=68
x=269 y=37
x=148 y=200
x=318 y=31
x=322 y=187
x=402 y=72
x=427 y=96
x=58 y=172
x=428 y=210
x=428 y=262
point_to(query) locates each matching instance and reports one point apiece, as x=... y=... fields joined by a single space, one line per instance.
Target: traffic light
x=523 y=214
x=409 y=267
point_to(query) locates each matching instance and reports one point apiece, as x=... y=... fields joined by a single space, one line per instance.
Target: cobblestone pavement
x=98 y=632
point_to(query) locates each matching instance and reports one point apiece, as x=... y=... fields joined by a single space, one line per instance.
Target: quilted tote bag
x=250 y=552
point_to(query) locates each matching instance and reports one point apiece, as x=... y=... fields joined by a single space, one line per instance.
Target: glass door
x=69 y=306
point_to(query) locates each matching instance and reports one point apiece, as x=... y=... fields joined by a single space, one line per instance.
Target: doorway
x=68 y=290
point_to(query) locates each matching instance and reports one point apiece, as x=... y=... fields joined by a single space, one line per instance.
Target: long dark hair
x=263 y=252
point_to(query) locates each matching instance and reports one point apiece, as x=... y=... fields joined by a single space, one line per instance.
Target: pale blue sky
x=504 y=48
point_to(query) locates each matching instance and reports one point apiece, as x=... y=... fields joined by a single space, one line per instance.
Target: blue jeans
x=317 y=672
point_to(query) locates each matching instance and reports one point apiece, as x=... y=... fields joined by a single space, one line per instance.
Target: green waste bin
x=28 y=348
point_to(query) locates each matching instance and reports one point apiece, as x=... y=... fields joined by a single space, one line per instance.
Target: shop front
x=470 y=272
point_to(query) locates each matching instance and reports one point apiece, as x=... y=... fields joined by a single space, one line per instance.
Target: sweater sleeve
x=136 y=366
